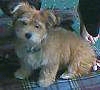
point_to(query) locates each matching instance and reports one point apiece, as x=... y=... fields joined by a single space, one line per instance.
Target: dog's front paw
x=67 y=76
x=21 y=74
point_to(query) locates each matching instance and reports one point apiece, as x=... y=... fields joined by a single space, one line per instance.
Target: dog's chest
x=28 y=56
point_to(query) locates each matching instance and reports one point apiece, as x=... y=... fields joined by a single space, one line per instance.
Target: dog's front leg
x=23 y=72
x=47 y=75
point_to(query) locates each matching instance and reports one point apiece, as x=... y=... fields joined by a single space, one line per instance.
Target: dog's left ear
x=50 y=18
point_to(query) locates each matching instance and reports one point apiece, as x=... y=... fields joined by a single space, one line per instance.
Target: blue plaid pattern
x=85 y=83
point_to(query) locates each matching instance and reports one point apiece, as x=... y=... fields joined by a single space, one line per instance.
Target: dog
x=42 y=44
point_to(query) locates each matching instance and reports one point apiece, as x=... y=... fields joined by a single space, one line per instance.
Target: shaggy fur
x=51 y=50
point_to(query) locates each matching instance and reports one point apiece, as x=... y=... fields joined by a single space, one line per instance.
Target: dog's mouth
x=33 y=49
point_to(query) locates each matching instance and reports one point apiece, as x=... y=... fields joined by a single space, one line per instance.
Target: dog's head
x=30 y=24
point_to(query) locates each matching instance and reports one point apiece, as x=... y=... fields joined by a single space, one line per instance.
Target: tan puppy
x=51 y=49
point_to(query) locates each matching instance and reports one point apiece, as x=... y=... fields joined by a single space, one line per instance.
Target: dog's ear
x=21 y=8
x=50 y=18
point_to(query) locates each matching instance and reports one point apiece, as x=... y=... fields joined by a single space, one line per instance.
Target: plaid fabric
x=85 y=83
x=5 y=27
x=96 y=48
x=9 y=84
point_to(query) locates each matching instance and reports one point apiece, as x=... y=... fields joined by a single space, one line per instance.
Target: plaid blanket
x=9 y=84
x=85 y=83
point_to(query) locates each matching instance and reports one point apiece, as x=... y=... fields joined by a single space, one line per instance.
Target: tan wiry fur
x=59 y=48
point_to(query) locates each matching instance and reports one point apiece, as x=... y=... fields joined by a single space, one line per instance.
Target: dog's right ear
x=21 y=8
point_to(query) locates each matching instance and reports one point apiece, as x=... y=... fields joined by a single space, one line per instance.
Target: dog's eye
x=22 y=21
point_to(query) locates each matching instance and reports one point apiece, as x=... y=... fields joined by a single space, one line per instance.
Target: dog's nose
x=28 y=35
